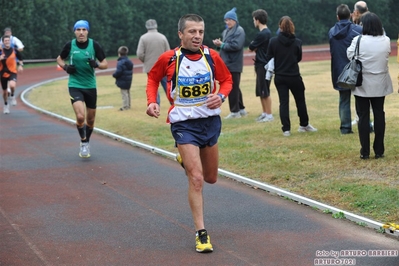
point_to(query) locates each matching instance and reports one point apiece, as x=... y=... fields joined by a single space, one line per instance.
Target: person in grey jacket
x=231 y=49
x=341 y=36
x=151 y=45
x=374 y=50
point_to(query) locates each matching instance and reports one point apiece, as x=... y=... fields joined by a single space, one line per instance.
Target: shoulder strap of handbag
x=357 y=47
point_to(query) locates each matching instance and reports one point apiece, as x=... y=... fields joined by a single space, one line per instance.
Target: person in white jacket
x=374 y=50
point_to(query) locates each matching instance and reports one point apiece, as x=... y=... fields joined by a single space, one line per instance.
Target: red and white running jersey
x=190 y=82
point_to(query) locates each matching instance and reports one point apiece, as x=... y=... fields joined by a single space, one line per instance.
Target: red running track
x=127 y=206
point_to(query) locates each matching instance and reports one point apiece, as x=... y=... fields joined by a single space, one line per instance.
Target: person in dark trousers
x=231 y=49
x=359 y=9
x=374 y=50
x=124 y=76
x=286 y=50
x=340 y=37
x=83 y=55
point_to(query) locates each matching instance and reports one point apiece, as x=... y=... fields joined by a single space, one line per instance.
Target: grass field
x=324 y=165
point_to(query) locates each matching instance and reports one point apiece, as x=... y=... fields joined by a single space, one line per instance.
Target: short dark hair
x=372 y=24
x=5 y=37
x=123 y=50
x=343 y=12
x=260 y=15
x=181 y=26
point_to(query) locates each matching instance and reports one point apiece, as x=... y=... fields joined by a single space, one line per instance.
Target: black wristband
x=222 y=97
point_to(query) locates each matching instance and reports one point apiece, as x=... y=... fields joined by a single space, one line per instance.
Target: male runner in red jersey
x=192 y=70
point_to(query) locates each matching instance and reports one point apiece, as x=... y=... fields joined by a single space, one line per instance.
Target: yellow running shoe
x=203 y=242
x=179 y=159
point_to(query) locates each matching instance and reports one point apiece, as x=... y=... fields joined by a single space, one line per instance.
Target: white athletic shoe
x=308 y=128
x=267 y=119
x=233 y=115
x=286 y=133
x=13 y=100
x=6 y=109
x=260 y=117
x=243 y=112
x=84 y=150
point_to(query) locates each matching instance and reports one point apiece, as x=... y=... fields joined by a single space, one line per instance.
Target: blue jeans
x=345 y=111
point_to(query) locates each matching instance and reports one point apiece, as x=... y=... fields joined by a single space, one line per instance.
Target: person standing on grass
x=192 y=70
x=151 y=45
x=124 y=75
x=286 y=50
x=259 y=45
x=82 y=54
x=374 y=50
x=340 y=37
x=8 y=71
x=359 y=9
x=231 y=49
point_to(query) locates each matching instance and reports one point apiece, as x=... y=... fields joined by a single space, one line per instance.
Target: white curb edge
x=363 y=221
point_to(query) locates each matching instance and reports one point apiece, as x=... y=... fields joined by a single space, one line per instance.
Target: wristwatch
x=222 y=97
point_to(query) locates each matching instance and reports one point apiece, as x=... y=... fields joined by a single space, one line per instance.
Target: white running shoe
x=308 y=128
x=243 y=112
x=286 y=133
x=13 y=100
x=267 y=118
x=84 y=150
x=6 y=109
x=233 y=115
x=260 y=117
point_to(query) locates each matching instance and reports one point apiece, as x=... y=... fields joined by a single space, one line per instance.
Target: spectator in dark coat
x=341 y=36
x=124 y=76
x=231 y=49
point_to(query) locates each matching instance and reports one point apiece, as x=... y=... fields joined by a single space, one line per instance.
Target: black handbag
x=351 y=76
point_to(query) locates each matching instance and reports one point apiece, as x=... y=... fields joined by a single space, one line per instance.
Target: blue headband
x=81 y=24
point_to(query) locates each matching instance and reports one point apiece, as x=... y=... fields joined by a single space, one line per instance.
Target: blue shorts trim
x=199 y=132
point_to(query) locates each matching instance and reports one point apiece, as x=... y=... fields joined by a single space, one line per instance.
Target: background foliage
x=45 y=26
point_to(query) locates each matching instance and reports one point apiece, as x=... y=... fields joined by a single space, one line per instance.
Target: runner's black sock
x=82 y=131
x=89 y=130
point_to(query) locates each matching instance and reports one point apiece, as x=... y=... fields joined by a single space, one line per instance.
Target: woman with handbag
x=374 y=50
